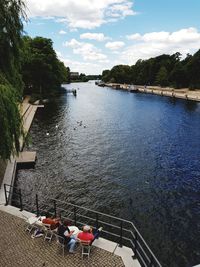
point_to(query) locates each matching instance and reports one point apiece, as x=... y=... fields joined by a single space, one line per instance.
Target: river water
x=136 y=156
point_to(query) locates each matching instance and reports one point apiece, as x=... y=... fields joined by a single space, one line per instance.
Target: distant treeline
x=85 y=78
x=93 y=77
x=164 y=70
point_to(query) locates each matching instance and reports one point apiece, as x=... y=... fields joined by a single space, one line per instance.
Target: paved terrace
x=17 y=248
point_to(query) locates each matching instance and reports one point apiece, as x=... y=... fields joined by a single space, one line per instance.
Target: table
x=73 y=228
x=36 y=220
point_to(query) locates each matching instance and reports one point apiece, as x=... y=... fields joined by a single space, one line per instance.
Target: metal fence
x=116 y=229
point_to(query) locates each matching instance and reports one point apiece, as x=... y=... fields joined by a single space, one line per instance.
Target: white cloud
x=189 y=35
x=135 y=36
x=104 y=61
x=157 y=43
x=81 y=67
x=183 y=35
x=73 y=43
x=87 y=14
x=94 y=36
x=156 y=37
x=84 y=67
x=86 y=50
x=123 y=9
x=114 y=45
x=58 y=53
x=62 y=32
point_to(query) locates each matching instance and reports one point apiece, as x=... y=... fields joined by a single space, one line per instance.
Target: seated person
x=87 y=234
x=53 y=222
x=65 y=233
x=37 y=233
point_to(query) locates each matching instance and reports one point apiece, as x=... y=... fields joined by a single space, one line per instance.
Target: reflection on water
x=191 y=105
x=136 y=156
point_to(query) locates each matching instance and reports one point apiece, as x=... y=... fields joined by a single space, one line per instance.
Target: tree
x=141 y=72
x=10 y=120
x=178 y=76
x=11 y=86
x=162 y=77
x=83 y=77
x=42 y=72
x=11 y=27
x=193 y=68
x=93 y=77
x=118 y=74
x=105 y=75
x=65 y=73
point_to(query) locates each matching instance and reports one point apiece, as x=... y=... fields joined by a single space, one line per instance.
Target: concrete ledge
x=9 y=177
x=26 y=159
x=124 y=252
x=16 y=212
x=126 y=255
x=105 y=244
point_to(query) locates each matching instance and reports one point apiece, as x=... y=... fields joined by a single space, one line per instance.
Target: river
x=136 y=156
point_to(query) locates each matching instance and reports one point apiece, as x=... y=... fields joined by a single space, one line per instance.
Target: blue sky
x=92 y=35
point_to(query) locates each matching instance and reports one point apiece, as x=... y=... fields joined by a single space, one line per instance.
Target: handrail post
x=74 y=215
x=20 y=199
x=55 y=211
x=10 y=193
x=151 y=261
x=6 y=197
x=135 y=245
x=97 y=220
x=37 y=206
x=121 y=233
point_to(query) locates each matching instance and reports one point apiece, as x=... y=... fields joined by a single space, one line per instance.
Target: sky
x=90 y=36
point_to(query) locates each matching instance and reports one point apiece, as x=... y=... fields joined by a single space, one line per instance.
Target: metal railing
x=122 y=231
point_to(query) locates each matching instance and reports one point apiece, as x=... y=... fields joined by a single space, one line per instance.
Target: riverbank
x=183 y=93
x=28 y=112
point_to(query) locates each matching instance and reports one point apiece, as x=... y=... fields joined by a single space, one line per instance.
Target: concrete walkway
x=183 y=93
x=28 y=112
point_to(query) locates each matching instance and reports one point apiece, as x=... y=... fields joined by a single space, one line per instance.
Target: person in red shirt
x=54 y=223
x=86 y=235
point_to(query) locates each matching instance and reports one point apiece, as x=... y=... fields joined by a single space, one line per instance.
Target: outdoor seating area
x=19 y=249
x=68 y=235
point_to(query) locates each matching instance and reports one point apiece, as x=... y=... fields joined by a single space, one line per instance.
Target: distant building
x=74 y=75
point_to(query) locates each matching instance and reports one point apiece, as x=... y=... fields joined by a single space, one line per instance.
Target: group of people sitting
x=70 y=240
x=86 y=235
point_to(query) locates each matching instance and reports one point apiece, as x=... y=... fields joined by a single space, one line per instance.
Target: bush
x=10 y=121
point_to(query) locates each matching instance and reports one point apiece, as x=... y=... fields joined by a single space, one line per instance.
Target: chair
x=29 y=226
x=61 y=242
x=85 y=248
x=49 y=233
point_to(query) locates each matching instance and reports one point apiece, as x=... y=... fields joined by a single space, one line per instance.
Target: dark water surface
x=138 y=157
